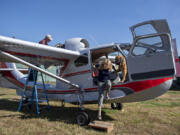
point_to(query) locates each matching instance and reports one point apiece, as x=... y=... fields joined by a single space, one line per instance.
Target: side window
x=113 y=54
x=148 y=45
x=81 y=61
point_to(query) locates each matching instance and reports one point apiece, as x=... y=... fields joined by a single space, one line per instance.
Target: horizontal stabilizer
x=11 y=69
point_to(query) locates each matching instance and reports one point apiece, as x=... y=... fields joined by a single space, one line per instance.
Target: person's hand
x=122 y=81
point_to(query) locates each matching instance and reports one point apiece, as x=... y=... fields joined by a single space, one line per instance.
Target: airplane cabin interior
x=111 y=53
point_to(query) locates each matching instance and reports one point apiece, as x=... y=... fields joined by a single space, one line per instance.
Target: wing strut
x=38 y=69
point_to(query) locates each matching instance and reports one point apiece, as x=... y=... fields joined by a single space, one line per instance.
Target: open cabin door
x=151 y=53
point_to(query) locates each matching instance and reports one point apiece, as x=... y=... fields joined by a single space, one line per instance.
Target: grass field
x=160 y=116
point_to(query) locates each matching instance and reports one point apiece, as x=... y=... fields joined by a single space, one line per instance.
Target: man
x=46 y=40
x=34 y=73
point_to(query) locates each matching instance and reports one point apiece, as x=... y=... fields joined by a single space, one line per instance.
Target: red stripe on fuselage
x=143 y=85
x=136 y=86
x=76 y=73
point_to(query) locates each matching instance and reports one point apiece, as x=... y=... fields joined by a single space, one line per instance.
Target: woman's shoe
x=99 y=118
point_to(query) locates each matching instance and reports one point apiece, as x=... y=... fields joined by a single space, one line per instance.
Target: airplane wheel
x=118 y=106
x=30 y=106
x=113 y=105
x=82 y=118
x=26 y=100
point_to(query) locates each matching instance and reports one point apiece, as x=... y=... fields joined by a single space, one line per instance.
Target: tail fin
x=4 y=70
x=9 y=73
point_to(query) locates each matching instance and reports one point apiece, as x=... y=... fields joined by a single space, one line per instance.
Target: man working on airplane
x=46 y=40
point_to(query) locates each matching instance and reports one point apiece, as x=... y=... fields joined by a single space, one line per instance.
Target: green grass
x=173 y=92
x=156 y=104
x=158 y=116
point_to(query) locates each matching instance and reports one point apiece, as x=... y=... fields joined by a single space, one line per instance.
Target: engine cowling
x=76 y=44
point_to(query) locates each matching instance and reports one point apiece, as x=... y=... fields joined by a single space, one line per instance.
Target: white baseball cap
x=49 y=37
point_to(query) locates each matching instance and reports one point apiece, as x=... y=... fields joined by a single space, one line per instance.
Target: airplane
x=150 y=63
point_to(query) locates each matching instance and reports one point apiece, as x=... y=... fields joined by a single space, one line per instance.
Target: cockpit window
x=81 y=61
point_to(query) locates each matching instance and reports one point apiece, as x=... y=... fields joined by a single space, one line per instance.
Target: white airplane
x=150 y=64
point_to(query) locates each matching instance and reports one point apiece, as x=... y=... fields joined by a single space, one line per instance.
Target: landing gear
x=26 y=100
x=62 y=104
x=118 y=106
x=82 y=118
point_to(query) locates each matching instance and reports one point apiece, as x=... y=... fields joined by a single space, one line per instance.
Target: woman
x=104 y=82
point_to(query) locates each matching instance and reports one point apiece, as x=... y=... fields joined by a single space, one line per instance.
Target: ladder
x=24 y=99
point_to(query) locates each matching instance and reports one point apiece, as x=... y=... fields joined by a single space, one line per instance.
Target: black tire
x=113 y=105
x=82 y=118
x=118 y=106
x=26 y=100
x=30 y=106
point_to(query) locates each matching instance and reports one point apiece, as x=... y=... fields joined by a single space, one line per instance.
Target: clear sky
x=99 y=21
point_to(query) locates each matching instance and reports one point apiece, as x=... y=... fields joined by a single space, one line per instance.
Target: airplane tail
x=13 y=77
x=9 y=75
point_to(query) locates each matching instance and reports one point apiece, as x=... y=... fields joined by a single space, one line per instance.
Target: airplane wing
x=35 y=53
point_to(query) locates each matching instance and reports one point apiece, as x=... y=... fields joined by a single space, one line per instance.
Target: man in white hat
x=46 y=40
x=33 y=72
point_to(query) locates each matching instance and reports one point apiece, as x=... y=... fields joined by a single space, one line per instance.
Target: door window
x=149 y=45
x=144 y=30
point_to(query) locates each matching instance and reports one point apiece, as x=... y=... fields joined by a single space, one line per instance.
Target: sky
x=98 y=21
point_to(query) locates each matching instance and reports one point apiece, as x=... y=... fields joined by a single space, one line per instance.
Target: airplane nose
x=169 y=84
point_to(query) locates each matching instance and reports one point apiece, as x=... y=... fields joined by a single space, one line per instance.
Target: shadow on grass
x=175 y=87
x=63 y=114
